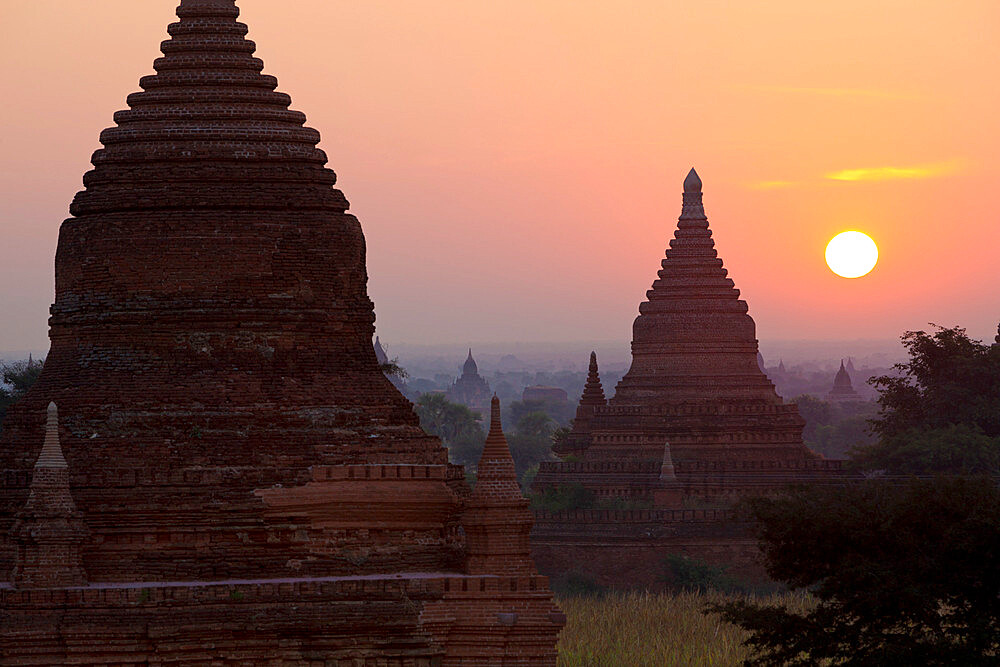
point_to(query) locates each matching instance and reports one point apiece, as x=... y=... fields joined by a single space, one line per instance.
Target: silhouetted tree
x=941 y=414
x=456 y=425
x=531 y=441
x=17 y=380
x=903 y=574
x=393 y=369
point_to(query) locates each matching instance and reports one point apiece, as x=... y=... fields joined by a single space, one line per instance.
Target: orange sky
x=517 y=166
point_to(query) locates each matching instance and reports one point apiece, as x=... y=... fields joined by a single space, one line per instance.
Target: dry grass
x=626 y=629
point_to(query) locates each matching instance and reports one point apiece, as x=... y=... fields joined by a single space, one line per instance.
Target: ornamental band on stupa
x=241 y=481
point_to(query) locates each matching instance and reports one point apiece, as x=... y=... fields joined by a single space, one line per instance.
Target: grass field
x=626 y=629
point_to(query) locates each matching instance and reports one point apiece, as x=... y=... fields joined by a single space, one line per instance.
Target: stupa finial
x=693 y=182
x=496 y=427
x=693 y=208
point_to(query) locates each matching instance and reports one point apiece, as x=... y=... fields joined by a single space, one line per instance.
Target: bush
x=686 y=574
x=563 y=497
x=574 y=584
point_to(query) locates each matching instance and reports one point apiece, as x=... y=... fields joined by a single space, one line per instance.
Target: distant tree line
x=17 y=378
x=528 y=429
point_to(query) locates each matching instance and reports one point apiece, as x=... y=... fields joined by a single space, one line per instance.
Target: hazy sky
x=517 y=165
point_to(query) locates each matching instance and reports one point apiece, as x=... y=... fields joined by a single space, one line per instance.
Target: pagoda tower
x=470 y=388
x=592 y=399
x=693 y=339
x=842 y=389
x=255 y=489
x=211 y=331
x=497 y=522
x=695 y=398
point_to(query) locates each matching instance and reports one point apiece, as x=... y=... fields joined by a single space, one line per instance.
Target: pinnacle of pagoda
x=997 y=339
x=497 y=521
x=693 y=339
x=470 y=368
x=49 y=531
x=591 y=399
x=593 y=391
x=212 y=323
x=496 y=479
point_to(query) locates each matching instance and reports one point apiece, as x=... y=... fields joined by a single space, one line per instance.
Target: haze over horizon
x=517 y=168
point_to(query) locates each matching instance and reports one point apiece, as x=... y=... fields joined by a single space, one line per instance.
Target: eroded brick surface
x=223 y=415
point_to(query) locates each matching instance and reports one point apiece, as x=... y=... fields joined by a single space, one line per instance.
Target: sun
x=851 y=254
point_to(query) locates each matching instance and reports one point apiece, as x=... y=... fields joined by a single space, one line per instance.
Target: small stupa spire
x=593 y=390
x=997 y=339
x=49 y=531
x=669 y=492
x=591 y=399
x=51 y=455
x=380 y=354
x=497 y=522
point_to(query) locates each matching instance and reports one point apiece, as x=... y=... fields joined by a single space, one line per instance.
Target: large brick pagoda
x=245 y=483
x=695 y=422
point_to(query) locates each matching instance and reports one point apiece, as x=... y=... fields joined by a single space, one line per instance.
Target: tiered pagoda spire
x=211 y=298
x=693 y=339
x=497 y=522
x=592 y=398
x=49 y=531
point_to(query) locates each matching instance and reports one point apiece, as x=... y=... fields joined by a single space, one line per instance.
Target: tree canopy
x=17 y=379
x=941 y=412
x=456 y=425
x=903 y=573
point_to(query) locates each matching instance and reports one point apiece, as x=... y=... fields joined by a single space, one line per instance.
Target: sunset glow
x=517 y=167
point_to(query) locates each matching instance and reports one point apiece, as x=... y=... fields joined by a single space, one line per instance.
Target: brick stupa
x=224 y=418
x=694 y=422
x=695 y=395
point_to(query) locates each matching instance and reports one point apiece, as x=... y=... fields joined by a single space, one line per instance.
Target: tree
x=392 y=369
x=456 y=425
x=531 y=441
x=903 y=573
x=941 y=412
x=17 y=380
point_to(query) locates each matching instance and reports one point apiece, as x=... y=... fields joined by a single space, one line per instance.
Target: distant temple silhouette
x=843 y=390
x=471 y=389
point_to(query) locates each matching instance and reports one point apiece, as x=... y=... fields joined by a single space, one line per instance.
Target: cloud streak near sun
x=838 y=92
x=894 y=173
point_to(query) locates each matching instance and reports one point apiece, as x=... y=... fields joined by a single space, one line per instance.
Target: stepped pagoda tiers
x=471 y=389
x=843 y=390
x=695 y=382
x=241 y=482
x=695 y=422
